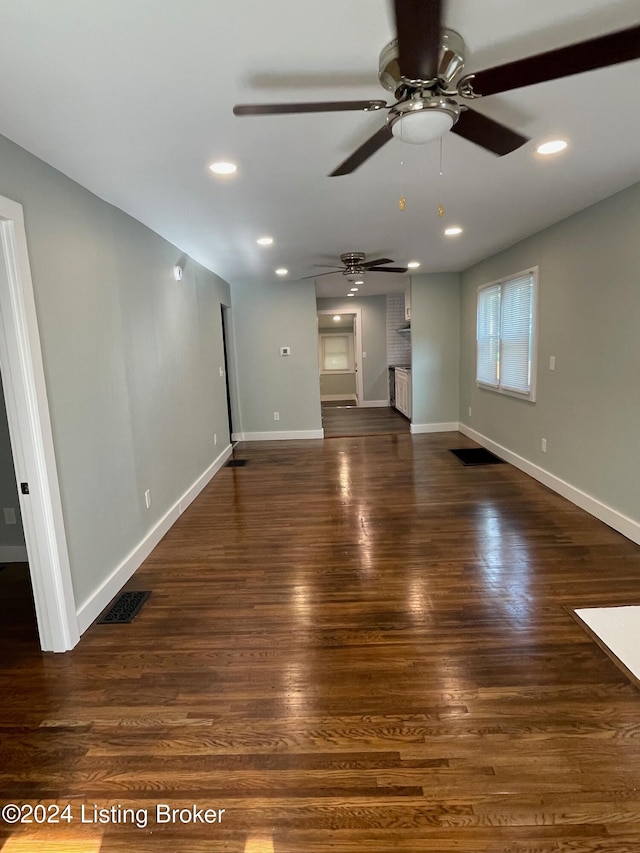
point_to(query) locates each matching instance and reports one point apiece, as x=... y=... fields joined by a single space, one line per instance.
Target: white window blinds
x=335 y=353
x=506 y=335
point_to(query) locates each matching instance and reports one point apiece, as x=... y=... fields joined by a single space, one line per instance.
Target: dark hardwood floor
x=345 y=420
x=351 y=646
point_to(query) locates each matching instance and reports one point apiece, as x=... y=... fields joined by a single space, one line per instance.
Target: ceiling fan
x=419 y=67
x=355 y=265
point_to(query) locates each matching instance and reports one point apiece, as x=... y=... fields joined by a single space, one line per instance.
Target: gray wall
x=266 y=318
x=435 y=347
x=589 y=408
x=10 y=534
x=131 y=361
x=374 y=341
x=339 y=383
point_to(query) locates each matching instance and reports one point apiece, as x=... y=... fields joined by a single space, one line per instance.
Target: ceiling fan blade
x=378 y=262
x=418 y=24
x=599 y=52
x=364 y=151
x=387 y=269
x=488 y=133
x=317 y=107
x=319 y=274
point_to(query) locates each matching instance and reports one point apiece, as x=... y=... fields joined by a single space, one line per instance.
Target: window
x=336 y=353
x=506 y=335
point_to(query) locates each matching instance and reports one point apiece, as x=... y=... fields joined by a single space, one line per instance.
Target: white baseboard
x=13 y=554
x=93 y=606
x=337 y=398
x=422 y=428
x=622 y=523
x=374 y=404
x=292 y=435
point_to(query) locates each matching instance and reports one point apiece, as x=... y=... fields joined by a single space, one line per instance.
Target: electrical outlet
x=552 y=362
x=543 y=445
x=276 y=416
x=147 y=498
x=9 y=515
x=221 y=369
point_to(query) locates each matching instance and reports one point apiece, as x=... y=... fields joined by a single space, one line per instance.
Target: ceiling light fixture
x=350 y=294
x=354 y=289
x=453 y=231
x=337 y=318
x=413 y=265
x=282 y=271
x=554 y=146
x=264 y=241
x=421 y=120
x=359 y=281
x=223 y=168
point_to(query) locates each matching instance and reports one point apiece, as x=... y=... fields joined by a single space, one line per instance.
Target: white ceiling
x=133 y=99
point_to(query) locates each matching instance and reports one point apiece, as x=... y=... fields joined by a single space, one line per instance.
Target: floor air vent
x=125 y=608
x=476 y=456
x=236 y=463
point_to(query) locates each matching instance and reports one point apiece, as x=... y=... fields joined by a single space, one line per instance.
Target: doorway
x=340 y=357
x=31 y=439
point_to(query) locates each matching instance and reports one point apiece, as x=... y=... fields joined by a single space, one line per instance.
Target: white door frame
x=32 y=439
x=357 y=312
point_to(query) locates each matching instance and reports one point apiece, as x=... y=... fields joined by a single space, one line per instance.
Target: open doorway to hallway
x=340 y=358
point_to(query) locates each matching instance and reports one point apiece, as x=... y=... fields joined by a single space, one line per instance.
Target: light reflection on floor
x=44 y=842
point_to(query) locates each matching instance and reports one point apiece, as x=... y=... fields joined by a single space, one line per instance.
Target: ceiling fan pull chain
x=441 y=206
x=402 y=201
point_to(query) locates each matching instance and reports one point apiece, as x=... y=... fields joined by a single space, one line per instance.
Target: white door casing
x=32 y=439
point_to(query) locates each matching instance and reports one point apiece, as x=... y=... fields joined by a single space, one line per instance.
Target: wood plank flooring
x=352 y=646
x=339 y=421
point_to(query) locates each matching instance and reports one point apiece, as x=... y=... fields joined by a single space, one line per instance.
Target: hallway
x=343 y=419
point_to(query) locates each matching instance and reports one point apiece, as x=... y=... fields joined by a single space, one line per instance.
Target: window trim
x=530 y=396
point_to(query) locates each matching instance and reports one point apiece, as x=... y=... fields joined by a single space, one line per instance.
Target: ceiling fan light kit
x=423 y=68
x=422 y=120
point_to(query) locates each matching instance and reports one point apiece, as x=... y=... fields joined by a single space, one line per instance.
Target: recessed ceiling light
x=350 y=294
x=453 y=231
x=223 y=168
x=282 y=271
x=413 y=265
x=354 y=289
x=337 y=318
x=552 y=147
x=359 y=281
x=264 y=241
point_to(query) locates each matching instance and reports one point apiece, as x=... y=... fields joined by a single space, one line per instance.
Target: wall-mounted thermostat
x=285 y=350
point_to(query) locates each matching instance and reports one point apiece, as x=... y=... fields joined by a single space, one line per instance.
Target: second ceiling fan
x=420 y=67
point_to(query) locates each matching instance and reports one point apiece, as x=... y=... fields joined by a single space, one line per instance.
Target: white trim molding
x=338 y=398
x=292 y=435
x=416 y=429
x=374 y=404
x=93 y=606
x=622 y=523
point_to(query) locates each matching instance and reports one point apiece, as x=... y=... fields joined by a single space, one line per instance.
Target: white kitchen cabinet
x=403 y=391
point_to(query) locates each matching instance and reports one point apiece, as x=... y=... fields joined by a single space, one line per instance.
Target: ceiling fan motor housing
x=451 y=58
